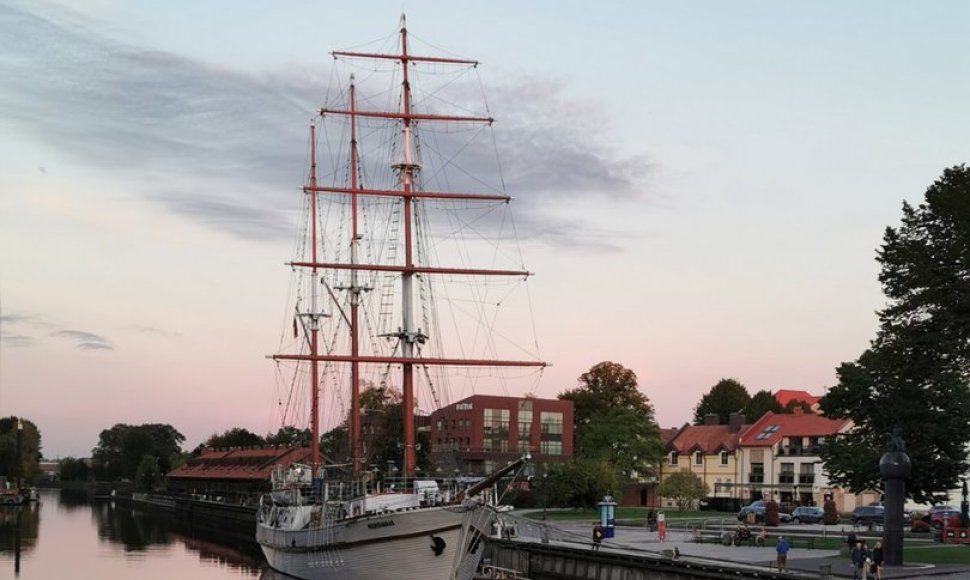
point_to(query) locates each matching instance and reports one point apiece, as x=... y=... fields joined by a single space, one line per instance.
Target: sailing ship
x=368 y=280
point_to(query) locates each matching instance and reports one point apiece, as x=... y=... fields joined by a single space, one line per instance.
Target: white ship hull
x=433 y=543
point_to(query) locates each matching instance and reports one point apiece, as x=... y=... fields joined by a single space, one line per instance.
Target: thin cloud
x=16 y=340
x=85 y=340
x=151 y=330
x=229 y=146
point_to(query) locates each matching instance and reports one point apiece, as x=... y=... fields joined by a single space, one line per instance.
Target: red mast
x=408 y=335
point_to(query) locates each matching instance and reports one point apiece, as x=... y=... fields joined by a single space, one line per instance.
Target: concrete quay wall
x=558 y=561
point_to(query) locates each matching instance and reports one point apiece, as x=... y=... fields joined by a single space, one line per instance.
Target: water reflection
x=73 y=499
x=18 y=531
x=135 y=530
x=109 y=541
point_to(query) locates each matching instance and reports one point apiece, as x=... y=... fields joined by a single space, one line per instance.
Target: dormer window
x=724 y=457
x=698 y=458
x=673 y=458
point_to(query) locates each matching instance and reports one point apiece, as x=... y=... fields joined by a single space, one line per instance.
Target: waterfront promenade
x=801 y=561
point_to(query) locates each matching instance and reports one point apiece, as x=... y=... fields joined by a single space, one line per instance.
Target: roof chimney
x=711 y=419
x=735 y=421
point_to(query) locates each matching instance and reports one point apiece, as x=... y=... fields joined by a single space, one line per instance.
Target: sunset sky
x=700 y=187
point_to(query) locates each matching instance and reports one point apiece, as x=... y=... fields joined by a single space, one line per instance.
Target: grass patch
x=937 y=554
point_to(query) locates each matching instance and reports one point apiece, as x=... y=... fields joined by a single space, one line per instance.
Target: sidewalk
x=801 y=561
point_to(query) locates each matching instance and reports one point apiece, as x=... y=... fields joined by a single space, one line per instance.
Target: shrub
x=771 y=513
x=830 y=514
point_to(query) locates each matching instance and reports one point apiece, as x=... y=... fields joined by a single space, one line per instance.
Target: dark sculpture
x=895 y=468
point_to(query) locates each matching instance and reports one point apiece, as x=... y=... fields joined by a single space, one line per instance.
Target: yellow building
x=709 y=451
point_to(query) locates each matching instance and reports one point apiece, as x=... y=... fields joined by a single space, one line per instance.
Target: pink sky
x=736 y=181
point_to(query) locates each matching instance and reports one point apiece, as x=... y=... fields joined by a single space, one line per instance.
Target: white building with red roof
x=779 y=459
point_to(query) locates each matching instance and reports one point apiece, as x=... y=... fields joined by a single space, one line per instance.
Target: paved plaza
x=801 y=561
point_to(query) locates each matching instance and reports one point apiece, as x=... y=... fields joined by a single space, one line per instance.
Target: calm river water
x=67 y=537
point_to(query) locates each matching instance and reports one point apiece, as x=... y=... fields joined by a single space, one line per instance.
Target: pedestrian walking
x=597 y=536
x=877 y=556
x=859 y=556
x=782 y=548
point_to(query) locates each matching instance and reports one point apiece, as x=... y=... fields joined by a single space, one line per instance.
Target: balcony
x=786 y=478
x=756 y=478
x=808 y=478
x=798 y=450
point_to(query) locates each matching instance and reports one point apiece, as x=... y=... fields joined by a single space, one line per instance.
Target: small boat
x=11 y=497
x=368 y=271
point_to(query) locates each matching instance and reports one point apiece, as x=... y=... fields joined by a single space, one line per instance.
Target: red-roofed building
x=233 y=473
x=710 y=452
x=786 y=396
x=779 y=458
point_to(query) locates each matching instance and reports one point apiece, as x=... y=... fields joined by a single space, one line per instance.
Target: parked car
x=758 y=509
x=868 y=515
x=945 y=518
x=807 y=514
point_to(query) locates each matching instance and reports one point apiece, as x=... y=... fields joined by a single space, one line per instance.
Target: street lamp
x=545 y=529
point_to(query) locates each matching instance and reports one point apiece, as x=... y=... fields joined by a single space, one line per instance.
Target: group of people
x=866 y=562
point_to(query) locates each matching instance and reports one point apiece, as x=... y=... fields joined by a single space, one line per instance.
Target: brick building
x=479 y=434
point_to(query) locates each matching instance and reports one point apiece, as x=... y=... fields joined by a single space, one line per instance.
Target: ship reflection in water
x=82 y=538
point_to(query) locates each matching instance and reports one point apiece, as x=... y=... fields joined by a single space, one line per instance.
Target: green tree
x=623 y=438
x=288 y=435
x=148 y=475
x=726 y=397
x=72 y=469
x=122 y=448
x=760 y=403
x=579 y=482
x=388 y=446
x=921 y=353
x=684 y=488
x=19 y=450
x=334 y=444
x=613 y=421
x=235 y=437
x=607 y=385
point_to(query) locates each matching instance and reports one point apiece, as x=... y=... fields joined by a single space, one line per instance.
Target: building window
x=698 y=458
x=787 y=474
x=673 y=458
x=550 y=430
x=525 y=429
x=495 y=435
x=757 y=474
x=724 y=457
x=550 y=447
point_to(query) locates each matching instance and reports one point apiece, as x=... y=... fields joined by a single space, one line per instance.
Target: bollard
x=824 y=570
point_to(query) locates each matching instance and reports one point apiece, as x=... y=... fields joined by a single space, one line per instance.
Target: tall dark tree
x=19 y=450
x=122 y=448
x=915 y=373
x=235 y=437
x=760 y=403
x=614 y=421
x=726 y=397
